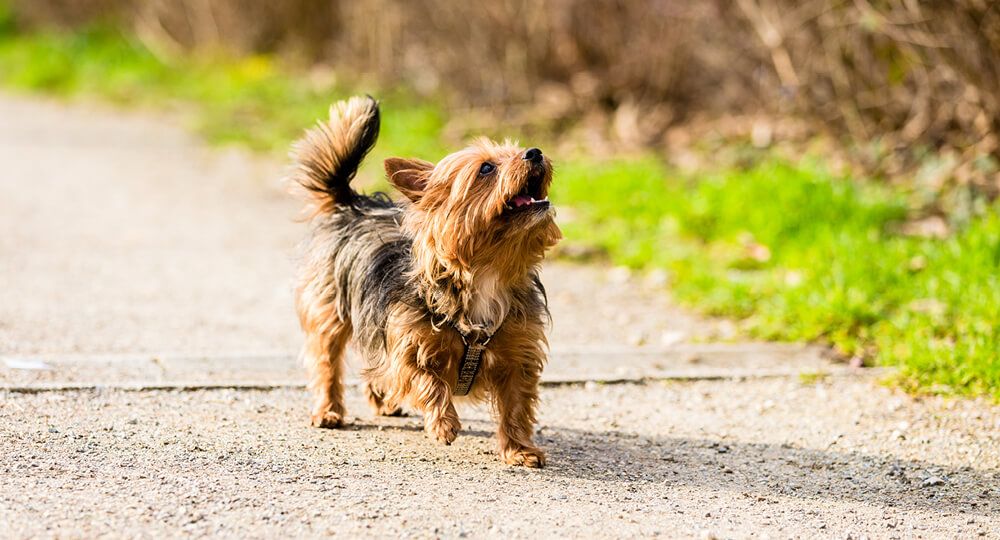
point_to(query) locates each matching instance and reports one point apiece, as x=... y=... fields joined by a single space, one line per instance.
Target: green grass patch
x=792 y=251
x=798 y=254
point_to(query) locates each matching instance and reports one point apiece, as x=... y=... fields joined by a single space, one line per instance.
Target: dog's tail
x=328 y=155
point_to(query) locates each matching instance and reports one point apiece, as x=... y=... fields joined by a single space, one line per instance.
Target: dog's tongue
x=521 y=200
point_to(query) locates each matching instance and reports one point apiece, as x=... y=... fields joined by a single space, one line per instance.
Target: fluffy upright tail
x=328 y=155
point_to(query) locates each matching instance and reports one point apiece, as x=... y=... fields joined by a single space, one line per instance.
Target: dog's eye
x=486 y=168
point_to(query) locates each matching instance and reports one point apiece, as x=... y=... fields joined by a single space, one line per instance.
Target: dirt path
x=131 y=256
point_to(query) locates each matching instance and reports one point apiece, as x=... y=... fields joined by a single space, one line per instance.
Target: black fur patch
x=340 y=182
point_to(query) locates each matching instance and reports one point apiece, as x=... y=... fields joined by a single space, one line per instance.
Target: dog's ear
x=409 y=176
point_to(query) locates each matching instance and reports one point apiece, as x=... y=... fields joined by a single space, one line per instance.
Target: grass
x=792 y=251
x=798 y=254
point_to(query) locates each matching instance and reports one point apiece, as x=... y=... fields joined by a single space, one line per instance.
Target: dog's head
x=487 y=202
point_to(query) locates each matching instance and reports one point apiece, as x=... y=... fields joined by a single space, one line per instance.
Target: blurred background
x=817 y=170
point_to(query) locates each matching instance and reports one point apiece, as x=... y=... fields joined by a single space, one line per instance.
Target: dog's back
x=356 y=262
x=356 y=251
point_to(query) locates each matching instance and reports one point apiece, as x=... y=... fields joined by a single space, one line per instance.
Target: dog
x=439 y=293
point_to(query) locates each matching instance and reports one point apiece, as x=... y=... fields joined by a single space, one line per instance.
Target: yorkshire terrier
x=439 y=293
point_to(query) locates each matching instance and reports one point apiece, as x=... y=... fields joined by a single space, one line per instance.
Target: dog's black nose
x=533 y=155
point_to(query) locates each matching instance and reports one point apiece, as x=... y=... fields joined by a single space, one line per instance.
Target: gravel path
x=731 y=459
x=124 y=237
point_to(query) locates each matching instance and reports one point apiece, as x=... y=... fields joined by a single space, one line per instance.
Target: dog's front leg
x=515 y=395
x=417 y=356
x=433 y=397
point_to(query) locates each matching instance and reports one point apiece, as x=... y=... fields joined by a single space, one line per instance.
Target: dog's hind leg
x=323 y=355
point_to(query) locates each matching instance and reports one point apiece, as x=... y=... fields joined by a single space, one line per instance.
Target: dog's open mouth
x=529 y=198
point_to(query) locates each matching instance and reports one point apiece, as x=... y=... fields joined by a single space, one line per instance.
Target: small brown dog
x=440 y=293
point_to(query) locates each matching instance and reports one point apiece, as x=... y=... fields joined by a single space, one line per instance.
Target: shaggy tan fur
x=401 y=280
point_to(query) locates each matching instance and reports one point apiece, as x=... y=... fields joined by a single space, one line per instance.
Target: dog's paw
x=444 y=430
x=327 y=420
x=385 y=410
x=527 y=457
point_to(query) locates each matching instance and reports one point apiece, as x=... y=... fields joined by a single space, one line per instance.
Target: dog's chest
x=488 y=302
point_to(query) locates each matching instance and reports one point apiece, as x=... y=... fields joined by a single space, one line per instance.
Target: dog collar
x=475 y=341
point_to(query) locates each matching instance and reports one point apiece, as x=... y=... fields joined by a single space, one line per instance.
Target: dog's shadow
x=770 y=470
x=759 y=469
